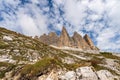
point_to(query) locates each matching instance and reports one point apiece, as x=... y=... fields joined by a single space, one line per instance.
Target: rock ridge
x=64 y=40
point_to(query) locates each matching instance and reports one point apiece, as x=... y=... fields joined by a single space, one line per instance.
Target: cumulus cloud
x=100 y=19
x=27 y=19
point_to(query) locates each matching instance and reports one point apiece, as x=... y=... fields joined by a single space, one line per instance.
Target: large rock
x=70 y=75
x=105 y=75
x=49 y=39
x=86 y=73
x=82 y=73
x=7 y=38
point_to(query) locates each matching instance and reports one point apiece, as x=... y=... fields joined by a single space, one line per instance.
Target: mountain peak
x=75 y=33
x=64 y=31
x=64 y=40
x=90 y=42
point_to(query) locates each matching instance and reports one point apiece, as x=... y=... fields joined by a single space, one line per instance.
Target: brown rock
x=79 y=42
x=50 y=39
x=90 y=42
x=64 y=39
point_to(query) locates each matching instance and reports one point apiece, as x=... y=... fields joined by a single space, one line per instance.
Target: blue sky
x=100 y=19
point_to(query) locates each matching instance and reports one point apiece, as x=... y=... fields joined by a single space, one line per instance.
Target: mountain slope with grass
x=25 y=58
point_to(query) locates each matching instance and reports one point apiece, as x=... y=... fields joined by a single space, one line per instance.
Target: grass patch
x=19 y=58
x=41 y=67
x=8 y=67
x=109 y=55
x=3 y=45
x=98 y=67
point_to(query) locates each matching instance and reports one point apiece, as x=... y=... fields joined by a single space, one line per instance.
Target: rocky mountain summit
x=64 y=40
x=25 y=58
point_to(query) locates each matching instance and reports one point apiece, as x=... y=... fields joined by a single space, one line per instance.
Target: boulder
x=70 y=75
x=105 y=75
x=86 y=73
x=7 y=38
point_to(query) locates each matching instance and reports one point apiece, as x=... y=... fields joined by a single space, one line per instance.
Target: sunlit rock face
x=64 y=40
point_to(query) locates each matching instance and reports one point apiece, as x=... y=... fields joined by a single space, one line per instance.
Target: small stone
x=16 y=51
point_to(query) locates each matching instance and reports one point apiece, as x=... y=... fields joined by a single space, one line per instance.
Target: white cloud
x=28 y=25
x=28 y=18
x=74 y=12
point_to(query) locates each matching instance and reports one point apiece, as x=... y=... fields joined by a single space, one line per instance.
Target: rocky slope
x=25 y=58
x=64 y=40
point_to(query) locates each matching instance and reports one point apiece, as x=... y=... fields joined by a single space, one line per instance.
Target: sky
x=100 y=19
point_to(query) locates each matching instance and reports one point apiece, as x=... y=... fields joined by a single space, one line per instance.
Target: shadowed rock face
x=79 y=41
x=49 y=39
x=89 y=42
x=64 y=40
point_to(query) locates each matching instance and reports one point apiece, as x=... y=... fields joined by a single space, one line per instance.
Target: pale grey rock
x=7 y=38
x=86 y=73
x=16 y=50
x=113 y=65
x=70 y=75
x=105 y=75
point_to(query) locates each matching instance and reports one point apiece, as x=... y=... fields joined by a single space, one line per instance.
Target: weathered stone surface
x=70 y=75
x=79 y=42
x=89 y=42
x=64 y=40
x=86 y=73
x=51 y=38
x=105 y=75
x=7 y=38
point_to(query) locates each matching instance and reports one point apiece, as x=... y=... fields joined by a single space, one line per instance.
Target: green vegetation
x=98 y=67
x=19 y=58
x=45 y=65
x=3 y=45
x=109 y=55
x=41 y=67
x=8 y=67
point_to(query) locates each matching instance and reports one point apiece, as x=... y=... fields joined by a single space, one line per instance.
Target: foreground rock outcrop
x=64 y=40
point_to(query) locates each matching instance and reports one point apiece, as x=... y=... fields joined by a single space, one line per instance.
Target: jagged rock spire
x=90 y=42
x=79 y=41
x=64 y=39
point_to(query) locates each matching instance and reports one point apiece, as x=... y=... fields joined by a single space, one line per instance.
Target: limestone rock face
x=79 y=42
x=89 y=42
x=64 y=40
x=105 y=75
x=87 y=73
x=51 y=38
